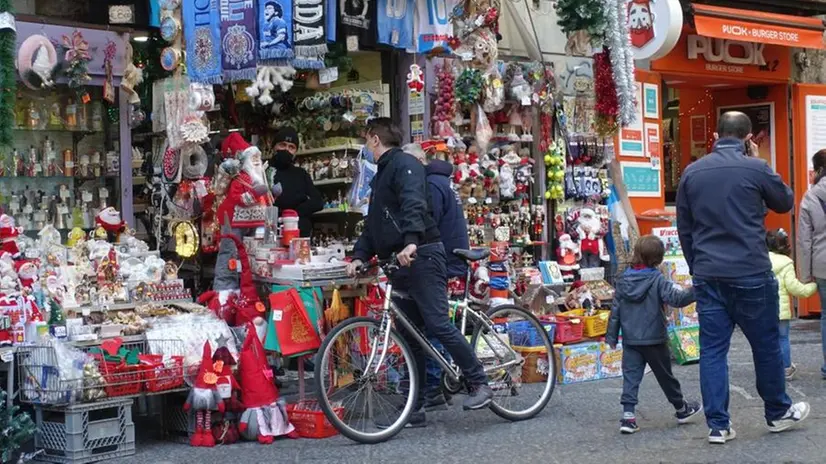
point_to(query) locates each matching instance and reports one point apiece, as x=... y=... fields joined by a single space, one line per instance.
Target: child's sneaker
x=795 y=415
x=790 y=372
x=720 y=437
x=689 y=411
x=628 y=426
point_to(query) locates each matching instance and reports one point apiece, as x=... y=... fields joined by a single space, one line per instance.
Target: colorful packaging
x=685 y=344
x=578 y=363
x=610 y=361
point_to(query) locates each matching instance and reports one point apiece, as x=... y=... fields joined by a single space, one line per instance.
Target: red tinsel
x=607 y=105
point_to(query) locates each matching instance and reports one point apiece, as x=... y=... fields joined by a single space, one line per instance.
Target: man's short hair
x=388 y=133
x=275 y=6
x=416 y=150
x=734 y=124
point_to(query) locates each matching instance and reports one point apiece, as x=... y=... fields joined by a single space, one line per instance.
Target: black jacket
x=721 y=212
x=399 y=212
x=299 y=194
x=639 y=307
x=448 y=214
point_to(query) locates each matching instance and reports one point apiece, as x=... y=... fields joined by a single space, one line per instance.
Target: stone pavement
x=580 y=425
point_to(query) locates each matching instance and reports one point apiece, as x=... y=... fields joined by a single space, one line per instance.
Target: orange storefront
x=739 y=60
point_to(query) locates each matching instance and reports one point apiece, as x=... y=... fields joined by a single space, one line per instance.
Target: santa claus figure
x=591 y=244
x=641 y=22
x=109 y=221
x=203 y=399
x=568 y=256
x=265 y=416
x=226 y=431
x=8 y=236
x=26 y=272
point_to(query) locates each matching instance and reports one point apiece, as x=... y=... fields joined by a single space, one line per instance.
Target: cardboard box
x=610 y=361
x=685 y=344
x=578 y=363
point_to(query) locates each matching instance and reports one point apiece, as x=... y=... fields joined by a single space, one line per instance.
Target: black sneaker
x=417 y=420
x=437 y=401
x=479 y=397
x=628 y=426
x=690 y=410
x=720 y=437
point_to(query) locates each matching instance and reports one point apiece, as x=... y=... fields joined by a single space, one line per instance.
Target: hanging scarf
x=238 y=24
x=275 y=32
x=331 y=20
x=309 y=35
x=202 y=31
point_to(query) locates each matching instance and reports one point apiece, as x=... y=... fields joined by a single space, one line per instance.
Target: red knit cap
x=232 y=145
x=206 y=377
x=257 y=388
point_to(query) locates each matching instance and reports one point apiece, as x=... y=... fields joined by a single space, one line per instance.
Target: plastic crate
x=309 y=420
x=593 y=326
x=121 y=379
x=85 y=433
x=524 y=333
x=568 y=331
x=162 y=376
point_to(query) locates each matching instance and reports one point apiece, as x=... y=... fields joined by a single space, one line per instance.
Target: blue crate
x=523 y=333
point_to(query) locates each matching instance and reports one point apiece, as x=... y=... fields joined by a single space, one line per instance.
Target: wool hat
x=286 y=134
x=257 y=387
x=206 y=376
x=233 y=145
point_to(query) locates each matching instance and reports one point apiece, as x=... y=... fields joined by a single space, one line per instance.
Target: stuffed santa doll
x=265 y=416
x=591 y=244
x=8 y=236
x=248 y=197
x=109 y=220
x=26 y=272
x=226 y=431
x=568 y=256
x=204 y=398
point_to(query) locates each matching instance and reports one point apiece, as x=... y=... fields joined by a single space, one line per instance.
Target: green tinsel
x=468 y=86
x=579 y=15
x=16 y=428
x=8 y=79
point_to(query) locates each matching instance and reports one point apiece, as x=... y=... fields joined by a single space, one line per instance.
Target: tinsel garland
x=8 y=79
x=606 y=107
x=618 y=41
x=582 y=15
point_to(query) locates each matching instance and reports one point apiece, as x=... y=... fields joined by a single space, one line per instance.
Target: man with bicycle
x=400 y=222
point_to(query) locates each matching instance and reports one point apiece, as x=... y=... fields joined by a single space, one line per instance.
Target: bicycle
x=382 y=365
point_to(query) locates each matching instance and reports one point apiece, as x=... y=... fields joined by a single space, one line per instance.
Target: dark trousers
x=634 y=359
x=751 y=303
x=427 y=308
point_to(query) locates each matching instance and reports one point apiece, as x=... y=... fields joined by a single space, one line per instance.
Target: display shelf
x=314 y=283
x=327 y=211
x=123 y=306
x=340 y=180
x=322 y=150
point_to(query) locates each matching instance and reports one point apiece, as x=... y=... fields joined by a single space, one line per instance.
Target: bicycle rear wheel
x=367 y=390
x=519 y=360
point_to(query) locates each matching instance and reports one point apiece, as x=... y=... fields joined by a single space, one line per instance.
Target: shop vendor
x=292 y=186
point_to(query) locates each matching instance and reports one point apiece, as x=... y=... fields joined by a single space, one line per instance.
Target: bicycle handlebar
x=389 y=266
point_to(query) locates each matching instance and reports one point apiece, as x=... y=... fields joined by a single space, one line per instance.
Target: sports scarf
x=275 y=32
x=309 y=35
x=238 y=24
x=202 y=31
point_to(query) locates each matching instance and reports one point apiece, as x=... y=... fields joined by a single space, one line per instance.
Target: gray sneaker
x=795 y=415
x=479 y=397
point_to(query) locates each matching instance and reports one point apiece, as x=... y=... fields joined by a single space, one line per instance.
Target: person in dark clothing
x=446 y=207
x=399 y=222
x=292 y=187
x=638 y=312
x=721 y=208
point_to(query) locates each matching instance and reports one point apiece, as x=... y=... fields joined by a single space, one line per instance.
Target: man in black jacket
x=296 y=191
x=400 y=222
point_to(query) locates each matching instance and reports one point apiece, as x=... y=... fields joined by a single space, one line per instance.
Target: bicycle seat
x=472 y=255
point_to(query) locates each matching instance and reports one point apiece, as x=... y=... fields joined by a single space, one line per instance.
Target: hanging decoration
x=468 y=86
x=8 y=81
x=310 y=38
x=77 y=59
x=606 y=105
x=583 y=21
x=108 y=83
x=618 y=41
x=238 y=24
x=269 y=78
x=202 y=33
x=37 y=62
x=275 y=32
x=132 y=77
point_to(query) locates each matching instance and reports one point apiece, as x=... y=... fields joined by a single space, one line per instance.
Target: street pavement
x=580 y=425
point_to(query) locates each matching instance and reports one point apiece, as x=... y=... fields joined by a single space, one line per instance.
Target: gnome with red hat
x=203 y=399
x=266 y=416
x=8 y=236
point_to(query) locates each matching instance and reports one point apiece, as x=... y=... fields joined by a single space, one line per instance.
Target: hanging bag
x=294 y=331
x=359 y=196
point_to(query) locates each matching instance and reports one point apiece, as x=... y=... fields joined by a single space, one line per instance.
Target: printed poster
x=653 y=147
x=762 y=127
x=651 y=97
x=631 y=137
x=815 y=129
x=640 y=180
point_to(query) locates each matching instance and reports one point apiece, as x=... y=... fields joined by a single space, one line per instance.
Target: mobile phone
x=747 y=148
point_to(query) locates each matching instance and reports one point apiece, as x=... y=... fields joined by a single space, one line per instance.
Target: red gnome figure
x=204 y=398
x=266 y=415
x=226 y=432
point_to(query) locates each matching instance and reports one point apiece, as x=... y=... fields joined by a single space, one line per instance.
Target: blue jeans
x=821 y=289
x=751 y=303
x=785 y=344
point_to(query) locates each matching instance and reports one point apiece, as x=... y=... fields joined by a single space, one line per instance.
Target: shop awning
x=757 y=26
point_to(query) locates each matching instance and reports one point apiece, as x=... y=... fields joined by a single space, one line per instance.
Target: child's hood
x=780 y=262
x=636 y=283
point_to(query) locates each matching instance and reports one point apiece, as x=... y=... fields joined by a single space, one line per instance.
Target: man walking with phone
x=721 y=208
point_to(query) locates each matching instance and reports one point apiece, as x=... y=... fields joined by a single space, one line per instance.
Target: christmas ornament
x=77 y=59
x=606 y=105
x=468 y=86
x=618 y=41
x=587 y=16
x=36 y=62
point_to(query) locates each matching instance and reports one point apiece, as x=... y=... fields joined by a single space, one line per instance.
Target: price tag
x=87 y=196
x=327 y=75
x=103 y=193
x=352 y=43
x=63 y=209
x=69 y=164
x=224 y=389
x=277 y=315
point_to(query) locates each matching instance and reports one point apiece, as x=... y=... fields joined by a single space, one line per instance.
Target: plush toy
x=8 y=236
x=110 y=221
x=568 y=256
x=268 y=78
x=226 y=431
x=247 y=304
x=591 y=244
x=265 y=416
x=203 y=399
x=27 y=272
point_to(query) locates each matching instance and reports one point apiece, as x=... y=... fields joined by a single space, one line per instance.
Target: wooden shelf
x=340 y=180
x=318 y=151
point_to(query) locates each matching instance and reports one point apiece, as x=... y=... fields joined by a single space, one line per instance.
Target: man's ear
x=716 y=136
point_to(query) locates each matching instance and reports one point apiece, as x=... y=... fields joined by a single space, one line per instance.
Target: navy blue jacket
x=448 y=214
x=721 y=209
x=638 y=307
x=399 y=212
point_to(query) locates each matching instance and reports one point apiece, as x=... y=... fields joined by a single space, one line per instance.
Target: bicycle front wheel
x=518 y=357
x=366 y=387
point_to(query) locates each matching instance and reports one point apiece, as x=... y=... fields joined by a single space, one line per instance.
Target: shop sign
x=121 y=14
x=720 y=51
x=759 y=27
x=655 y=27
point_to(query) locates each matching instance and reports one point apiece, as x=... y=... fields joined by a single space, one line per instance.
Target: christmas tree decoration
x=77 y=64
x=468 y=86
x=582 y=15
x=618 y=41
x=16 y=428
x=8 y=81
x=606 y=106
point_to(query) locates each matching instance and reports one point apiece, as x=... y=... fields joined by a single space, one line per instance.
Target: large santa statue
x=591 y=244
